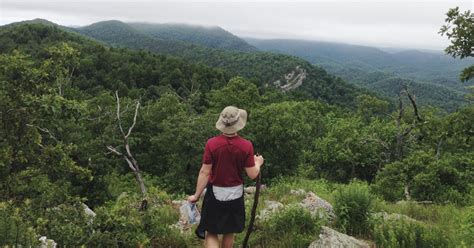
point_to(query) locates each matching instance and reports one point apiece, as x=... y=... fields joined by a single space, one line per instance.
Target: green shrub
x=122 y=224
x=292 y=226
x=352 y=206
x=280 y=188
x=67 y=224
x=467 y=228
x=14 y=231
x=404 y=232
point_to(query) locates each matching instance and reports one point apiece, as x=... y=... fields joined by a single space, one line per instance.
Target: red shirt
x=228 y=156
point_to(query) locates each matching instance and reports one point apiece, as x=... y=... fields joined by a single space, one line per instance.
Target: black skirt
x=221 y=217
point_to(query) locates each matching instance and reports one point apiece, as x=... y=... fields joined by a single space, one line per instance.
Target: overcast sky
x=406 y=24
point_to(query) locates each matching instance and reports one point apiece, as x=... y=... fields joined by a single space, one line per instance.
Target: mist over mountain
x=212 y=37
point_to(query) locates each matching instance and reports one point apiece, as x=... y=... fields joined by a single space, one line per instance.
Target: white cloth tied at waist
x=228 y=193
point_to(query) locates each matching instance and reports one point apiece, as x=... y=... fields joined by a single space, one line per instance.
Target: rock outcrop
x=330 y=238
x=292 y=80
x=88 y=211
x=318 y=206
x=271 y=207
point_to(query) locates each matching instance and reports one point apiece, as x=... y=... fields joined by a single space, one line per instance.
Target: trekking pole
x=254 y=210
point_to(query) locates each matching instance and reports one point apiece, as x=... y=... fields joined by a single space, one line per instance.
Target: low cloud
x=398 y=24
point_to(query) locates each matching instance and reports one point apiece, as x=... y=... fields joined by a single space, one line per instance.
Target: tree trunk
x=138 y=177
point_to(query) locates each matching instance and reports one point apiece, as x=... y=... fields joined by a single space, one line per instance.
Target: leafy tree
x=238 y=92
x=459 y=28
x=349 y=149
x=369 y=106
x=426 y=178
x=281 y=131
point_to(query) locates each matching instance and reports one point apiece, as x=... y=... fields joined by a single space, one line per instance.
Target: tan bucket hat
x=231 y=120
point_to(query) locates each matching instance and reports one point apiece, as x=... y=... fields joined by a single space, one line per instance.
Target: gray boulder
x=88 y=211
x=318 y=206
x=298 y=192
x=271 y=207
x=252 y=189
x=329 y=238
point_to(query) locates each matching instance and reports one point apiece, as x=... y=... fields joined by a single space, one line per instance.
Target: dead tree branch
x=128 y=155
x=413 y=103
x=402 y=133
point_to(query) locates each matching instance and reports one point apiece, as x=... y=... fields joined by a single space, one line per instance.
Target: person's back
x=225 y=158
x=229 y=155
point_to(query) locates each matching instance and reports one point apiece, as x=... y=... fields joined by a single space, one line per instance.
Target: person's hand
x=258 y=160
x=193 y=198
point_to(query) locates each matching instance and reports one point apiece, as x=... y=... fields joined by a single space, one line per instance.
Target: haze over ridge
x=389 y=24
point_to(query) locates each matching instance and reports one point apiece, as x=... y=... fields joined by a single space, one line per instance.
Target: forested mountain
x=99 y=145
x=98 y=67
x=372 y=67
x=212 y=37
x=117 y=33
x=262 y=67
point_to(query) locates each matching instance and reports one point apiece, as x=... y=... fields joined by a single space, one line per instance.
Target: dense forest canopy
x=262 y=68
x=383 y=71
x=212 y=37
x=59 y=93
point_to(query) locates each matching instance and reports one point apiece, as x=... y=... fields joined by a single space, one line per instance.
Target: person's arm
x=253 y=171
x=203 y=178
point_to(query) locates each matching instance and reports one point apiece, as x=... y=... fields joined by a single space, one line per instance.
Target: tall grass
x=352 y=206
x=292 y=226
x=407 y=233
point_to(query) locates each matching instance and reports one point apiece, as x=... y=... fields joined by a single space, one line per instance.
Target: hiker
x=225 y=158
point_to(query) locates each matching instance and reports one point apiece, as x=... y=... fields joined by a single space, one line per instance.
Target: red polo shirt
x=228 y=156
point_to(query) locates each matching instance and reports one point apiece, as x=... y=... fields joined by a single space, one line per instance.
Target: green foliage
x=58 y=114
x=122 y=224
x=353 y=204
x=369 y=107
x=264 y=68
x=447 y=179
x=67 y=224
x=238 y=92
x=14 y=231
x=467 y=228
x=403 y=232
x=281 y=131
x=281 y=187
x=292 y=226
x=433 y=77
x=454 y=221
x=459 y=29
x=212 y=37
x=349 y=148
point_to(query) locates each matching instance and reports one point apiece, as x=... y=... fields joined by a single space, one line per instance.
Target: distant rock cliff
x=292 y=80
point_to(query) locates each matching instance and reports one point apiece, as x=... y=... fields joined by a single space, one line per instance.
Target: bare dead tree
x=128 y=155
x=402 y=133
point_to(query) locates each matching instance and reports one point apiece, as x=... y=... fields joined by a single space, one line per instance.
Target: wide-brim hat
x=231 y=120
